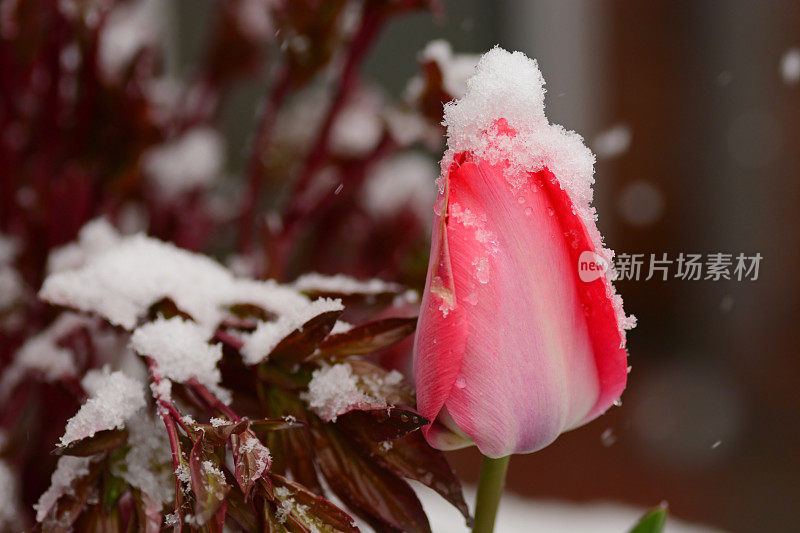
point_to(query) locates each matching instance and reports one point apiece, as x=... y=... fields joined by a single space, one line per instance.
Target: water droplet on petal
x=528 y=211
x=551 y=211
x=461 y=382
x=618 y=402
x=521 y=199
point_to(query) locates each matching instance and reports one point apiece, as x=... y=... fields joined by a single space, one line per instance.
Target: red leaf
x=265 y=425
x=294 y=450
x=252 y=460
x=207 y=482
x=240 y=511
x=219 y=435
x=409 y=456
x=302 y=342
x=69 y=506
x=102 y=441
x=381 y=424
x=308 y=508
x=393 y=391
x=373 y=300
x=413 y=458
x=368 y=338
x=373 y=492
x=96 y=519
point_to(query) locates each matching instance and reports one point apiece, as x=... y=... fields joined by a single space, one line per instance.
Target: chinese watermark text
x=685 y=266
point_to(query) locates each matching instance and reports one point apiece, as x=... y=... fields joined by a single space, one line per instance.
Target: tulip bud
x=514 y=346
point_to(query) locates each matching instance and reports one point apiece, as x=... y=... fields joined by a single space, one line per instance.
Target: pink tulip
x=513 y=348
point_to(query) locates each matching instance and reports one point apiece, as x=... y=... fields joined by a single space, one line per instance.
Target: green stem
x=490 y=489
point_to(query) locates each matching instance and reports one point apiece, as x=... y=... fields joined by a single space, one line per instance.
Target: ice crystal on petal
x=211 y=469
x=183 y=475
x=288 y=506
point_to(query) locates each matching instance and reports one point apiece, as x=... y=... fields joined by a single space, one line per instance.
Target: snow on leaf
x=181 y=350
x=148 y=463
x=336 y=389
x=114 y=398
x=122 y=282
x=68 y=470
x=269 y=335
x=42 y=355
x=341 y=284
x=456 y=69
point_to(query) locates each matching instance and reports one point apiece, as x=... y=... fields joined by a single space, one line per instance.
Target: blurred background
x=694 y=111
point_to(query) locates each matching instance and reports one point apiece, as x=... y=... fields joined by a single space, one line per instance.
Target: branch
x=261 y=143
x=318 y=154
x=212 y=400
x=165 y=411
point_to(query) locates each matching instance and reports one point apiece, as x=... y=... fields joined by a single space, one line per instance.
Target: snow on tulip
x=513 y=348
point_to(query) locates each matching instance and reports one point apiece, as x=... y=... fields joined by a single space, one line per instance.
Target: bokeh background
x=705 y=102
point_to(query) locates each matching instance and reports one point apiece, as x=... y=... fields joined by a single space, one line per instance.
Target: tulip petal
x=529 y=369
x=602 y=316
x=440 y=338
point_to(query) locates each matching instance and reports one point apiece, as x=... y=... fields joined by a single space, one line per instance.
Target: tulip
x=513 y=347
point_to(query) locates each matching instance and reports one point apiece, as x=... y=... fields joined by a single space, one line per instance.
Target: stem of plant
x=490 y=489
